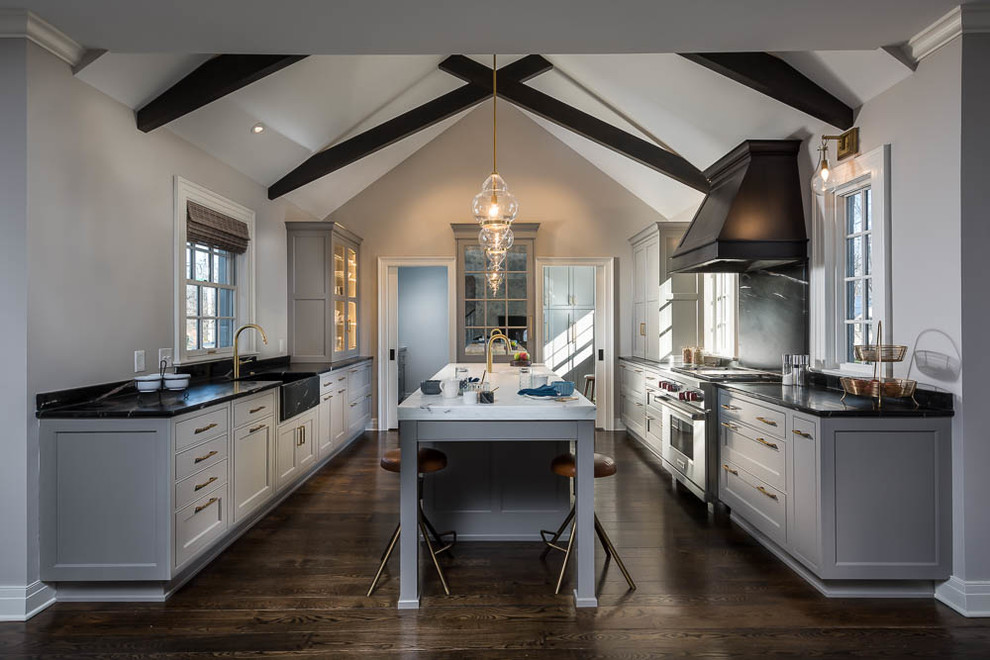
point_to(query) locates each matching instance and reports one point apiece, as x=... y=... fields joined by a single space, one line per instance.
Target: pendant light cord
x=494 y=118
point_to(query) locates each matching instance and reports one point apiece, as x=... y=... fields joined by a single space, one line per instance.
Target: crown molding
x=21 y=24
x=965 y=19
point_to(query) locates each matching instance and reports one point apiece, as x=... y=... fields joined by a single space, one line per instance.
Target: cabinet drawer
x=200 y=524
x=766 y=420
x=765 y=458
x=202 y=427
x=759 y=503
x=358 y=413
x=328 y=382
x=203 y=482
x=200 y=457
x=804 y=428
x=358 y=381
x=253 y=409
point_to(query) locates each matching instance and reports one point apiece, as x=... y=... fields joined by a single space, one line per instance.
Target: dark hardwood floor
x=295 y=585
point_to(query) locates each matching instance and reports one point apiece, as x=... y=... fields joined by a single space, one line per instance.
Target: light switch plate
x=165 y=354
x=138 y=361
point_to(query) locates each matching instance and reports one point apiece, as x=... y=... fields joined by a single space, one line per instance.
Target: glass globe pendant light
x=495 y=207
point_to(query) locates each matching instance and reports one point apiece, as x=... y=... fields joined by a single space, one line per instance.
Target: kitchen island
x=511 y=418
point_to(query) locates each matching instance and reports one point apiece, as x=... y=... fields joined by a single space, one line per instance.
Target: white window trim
x=873 y=169
x=710 y=288
x=186 y=190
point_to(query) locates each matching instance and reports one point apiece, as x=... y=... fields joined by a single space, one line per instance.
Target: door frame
x=388 y=324
x=605 y=315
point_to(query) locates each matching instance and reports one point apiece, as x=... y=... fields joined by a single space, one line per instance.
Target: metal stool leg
x=442 y=546
x=610 y=549
x=567 y=556
x=385 y=556
x=433 y=556
x=552 y=542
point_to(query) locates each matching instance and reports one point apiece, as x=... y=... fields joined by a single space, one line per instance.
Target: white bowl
x=151 y=383
x=177 y=381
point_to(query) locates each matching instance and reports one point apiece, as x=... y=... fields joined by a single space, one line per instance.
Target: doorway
x=416 y=301
x=575 y=321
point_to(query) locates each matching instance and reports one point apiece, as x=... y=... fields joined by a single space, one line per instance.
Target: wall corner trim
x=965 y=19
x=969 y=598
x=21 y=24
x=22 y=603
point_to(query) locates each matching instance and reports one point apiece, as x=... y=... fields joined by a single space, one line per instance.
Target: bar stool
x=565 y=466
x=589 y=383
x=430 y=460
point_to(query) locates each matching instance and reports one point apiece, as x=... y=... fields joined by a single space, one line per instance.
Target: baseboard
x=969 y=598
x=841 y=588
x=22 y=603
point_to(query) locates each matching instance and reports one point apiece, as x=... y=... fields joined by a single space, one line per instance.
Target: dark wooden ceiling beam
x=340 y=155
x=210 y=81
x=585 y=125
x=777 y=79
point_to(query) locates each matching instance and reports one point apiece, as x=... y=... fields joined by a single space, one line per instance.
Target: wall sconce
x=846 y=145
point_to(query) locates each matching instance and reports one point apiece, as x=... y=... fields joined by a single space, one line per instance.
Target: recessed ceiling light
x=258 y=128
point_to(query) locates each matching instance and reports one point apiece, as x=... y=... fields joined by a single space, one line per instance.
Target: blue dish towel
x=546 y=390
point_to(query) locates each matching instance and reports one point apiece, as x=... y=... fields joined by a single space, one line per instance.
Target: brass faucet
x=237 y=357
x=496 y=335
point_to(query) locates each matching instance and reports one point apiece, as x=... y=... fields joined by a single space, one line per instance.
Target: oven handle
x=687 y=411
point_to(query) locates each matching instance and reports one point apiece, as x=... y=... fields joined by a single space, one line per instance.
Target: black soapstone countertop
x=819 y=400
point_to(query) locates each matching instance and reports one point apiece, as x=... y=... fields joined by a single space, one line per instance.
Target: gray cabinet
x=666 y=306
x=849 y=498
x=634 y=397
x=323 y=291
x=296 y=447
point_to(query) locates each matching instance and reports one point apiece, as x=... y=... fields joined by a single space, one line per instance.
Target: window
x=720 y=293
x=482 y=310
x=850 y=265
x=214 y=273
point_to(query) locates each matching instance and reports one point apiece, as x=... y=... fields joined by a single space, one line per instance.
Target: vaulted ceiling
x=619 y=78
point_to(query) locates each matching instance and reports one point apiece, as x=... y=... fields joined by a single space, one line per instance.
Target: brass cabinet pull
x=328 y=383
x=367 y=396
x=254 y=410
x=768 y=422
x=200 y=459
x=730 y=470
x=642 y=329
x=328 y=397
x=768 y=444
x=210 y=501
x=341 y=391
x=303 y=429
x=205 y=483
x=766 y=492
x=257 y=428
x=355 y=403
x=728 y=407
x=803 y=434
x=204 y=429
x=731 y=427
x=342 y=378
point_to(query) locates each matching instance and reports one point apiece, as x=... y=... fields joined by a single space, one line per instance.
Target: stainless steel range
x=681 y=421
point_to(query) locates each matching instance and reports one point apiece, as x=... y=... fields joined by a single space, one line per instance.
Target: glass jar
x=525 y=378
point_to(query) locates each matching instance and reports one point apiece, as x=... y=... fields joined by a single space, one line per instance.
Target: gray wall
x=18 y=511
x=423 y=321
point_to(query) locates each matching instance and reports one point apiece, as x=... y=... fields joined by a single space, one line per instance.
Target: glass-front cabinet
x=324 y=299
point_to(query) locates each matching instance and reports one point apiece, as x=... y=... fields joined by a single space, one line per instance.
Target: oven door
x=684 y=429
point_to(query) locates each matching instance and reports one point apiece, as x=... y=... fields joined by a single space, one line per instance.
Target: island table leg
x=584 y=496
x=408 y=517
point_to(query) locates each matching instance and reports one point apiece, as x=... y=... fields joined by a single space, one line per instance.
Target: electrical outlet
x=281 y=346
x=138 y=361
x=165 y=354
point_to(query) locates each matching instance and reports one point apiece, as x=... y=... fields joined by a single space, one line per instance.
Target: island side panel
x=408 y=517
x=584 y=594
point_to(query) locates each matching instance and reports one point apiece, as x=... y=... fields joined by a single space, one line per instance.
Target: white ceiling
x=324 y=99
x=506 y=26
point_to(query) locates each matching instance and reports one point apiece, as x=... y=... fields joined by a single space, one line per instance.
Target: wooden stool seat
x=430 y=460
x=565 y=466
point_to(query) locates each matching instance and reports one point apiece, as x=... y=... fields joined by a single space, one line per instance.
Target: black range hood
x=753 y=218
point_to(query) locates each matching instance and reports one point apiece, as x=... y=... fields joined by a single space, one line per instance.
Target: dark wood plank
x=294 y=586
x=777 y=79
x=408 y=123
x=340 y=155
x=210 y=81
x=585 y=125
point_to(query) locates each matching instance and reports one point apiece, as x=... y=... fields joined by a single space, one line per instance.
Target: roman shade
x=209 y=227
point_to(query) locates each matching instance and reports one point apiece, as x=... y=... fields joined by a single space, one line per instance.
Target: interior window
x=211 y=295
x=720 y=293
x=857 y=269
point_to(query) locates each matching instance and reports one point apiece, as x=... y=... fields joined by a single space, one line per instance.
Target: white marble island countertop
x=508 y=404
